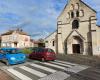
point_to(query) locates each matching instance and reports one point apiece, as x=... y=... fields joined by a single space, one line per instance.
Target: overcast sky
x=37 y=17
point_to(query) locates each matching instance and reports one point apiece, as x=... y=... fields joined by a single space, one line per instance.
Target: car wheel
x=7 y=63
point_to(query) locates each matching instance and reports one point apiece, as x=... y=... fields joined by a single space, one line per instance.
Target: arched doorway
x=74 y=45
x=77 y=45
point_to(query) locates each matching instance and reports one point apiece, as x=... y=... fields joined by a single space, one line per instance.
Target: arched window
x=77 y=13
x=75 y=24
x=77 y=6
x=72 y=7
x=72 y=14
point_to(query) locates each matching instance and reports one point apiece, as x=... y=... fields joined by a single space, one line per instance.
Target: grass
x=81 y=59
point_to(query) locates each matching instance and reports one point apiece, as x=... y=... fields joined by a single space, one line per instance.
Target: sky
x=37 y=17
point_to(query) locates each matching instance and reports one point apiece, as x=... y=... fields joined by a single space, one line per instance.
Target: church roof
x=50 y=34
x=88 y=5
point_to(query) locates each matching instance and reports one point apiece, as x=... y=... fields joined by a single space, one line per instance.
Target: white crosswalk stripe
x=62 y=64
x=57 y=66
x=65 y=62
x=19 y=75
x=76 y=69
x=37 y=73
x=44 y=68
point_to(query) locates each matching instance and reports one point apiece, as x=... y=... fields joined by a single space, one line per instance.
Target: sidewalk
x=92 y=73
x=93 y=61
x=5 y=76
x=88 y=74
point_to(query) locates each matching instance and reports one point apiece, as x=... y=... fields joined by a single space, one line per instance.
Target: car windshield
x=11 y=51
x=38 y=50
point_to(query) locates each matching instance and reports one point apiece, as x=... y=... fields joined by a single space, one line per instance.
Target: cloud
x=40 y=14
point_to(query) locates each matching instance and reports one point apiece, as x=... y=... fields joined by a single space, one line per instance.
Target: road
x=37 y=70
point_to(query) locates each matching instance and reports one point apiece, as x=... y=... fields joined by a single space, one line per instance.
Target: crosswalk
x=52 y=70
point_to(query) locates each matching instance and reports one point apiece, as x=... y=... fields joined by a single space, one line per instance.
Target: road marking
x=44 y=68
x=56 y=76
x=32 y=71
x=19 y=75
x=62 y=64
x=76 y=69
x=66 y=62
x=55 y=65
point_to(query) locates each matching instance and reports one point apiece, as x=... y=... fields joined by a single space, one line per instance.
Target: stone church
x=77 y=31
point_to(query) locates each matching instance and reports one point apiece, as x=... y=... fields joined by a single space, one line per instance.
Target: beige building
x=77 y=31
x=16 y=39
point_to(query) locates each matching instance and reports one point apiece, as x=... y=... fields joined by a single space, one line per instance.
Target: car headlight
x=24 y=56
x=12 y=58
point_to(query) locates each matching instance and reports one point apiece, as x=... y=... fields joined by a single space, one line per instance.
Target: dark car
x=44 y=54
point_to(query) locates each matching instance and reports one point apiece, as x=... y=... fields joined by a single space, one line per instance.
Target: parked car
x=12 y=56
x=44 y=54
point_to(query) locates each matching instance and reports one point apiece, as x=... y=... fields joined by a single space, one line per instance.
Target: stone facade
x=77 y=31
x=16 y=39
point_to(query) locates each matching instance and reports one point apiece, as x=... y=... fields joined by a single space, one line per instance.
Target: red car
x=44 y=54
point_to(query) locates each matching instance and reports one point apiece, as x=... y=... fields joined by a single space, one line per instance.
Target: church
x=77 y=31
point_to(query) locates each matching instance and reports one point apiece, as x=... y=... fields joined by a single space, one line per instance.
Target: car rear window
x=50 y=50
x=38 y=50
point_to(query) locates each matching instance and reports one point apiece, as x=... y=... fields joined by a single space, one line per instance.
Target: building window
x=77 y=6
x=14 y=37
x=53 y=43
x=72 y=14
x=77 y=13
x=72 y=7
x=46 y=41
x=81 y=13
x=75 y=24
x=4 y=44
x=8 y=44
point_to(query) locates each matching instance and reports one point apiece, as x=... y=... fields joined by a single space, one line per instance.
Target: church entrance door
x=76 y=48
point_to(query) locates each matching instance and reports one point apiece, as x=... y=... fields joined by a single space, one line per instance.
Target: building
x=77 y=32
x=16 y=38
x=50 y=41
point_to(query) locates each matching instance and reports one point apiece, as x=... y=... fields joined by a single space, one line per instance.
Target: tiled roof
x=17 y=31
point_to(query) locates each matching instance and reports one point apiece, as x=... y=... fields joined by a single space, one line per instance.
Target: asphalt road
x=52 y=70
